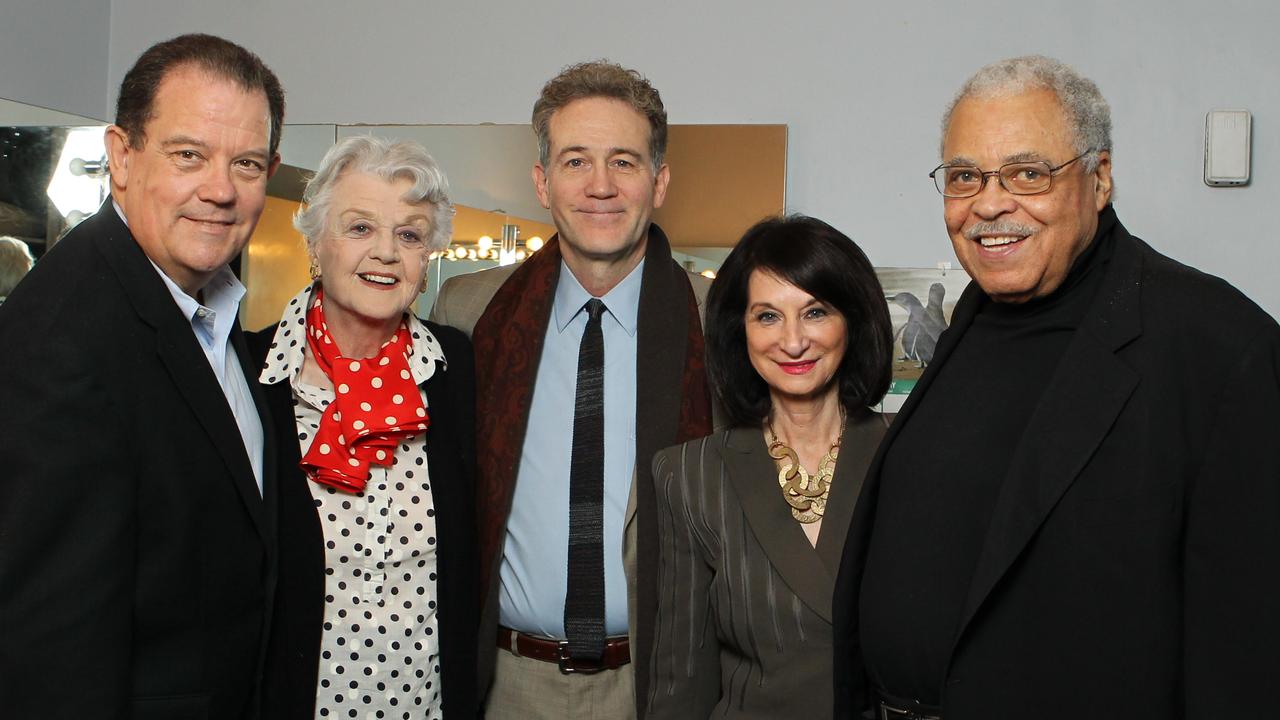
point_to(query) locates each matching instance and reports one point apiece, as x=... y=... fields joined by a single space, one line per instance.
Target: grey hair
x=387 y=159
x=15 y=261
x=1087 y=111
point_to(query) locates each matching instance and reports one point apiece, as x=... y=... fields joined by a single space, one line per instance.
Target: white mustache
x=999 y=227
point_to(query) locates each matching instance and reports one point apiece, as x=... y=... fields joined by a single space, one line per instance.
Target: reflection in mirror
x=488 y=167
x=724 y=179
x=274 y=265
x=52 y=172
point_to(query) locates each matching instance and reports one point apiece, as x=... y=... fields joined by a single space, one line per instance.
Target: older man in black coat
x=1077 y=513
x=137 y=531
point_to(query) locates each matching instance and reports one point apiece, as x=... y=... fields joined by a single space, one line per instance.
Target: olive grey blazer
x=744 y=607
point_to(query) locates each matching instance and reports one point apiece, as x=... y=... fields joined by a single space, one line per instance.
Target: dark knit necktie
x=584 y=599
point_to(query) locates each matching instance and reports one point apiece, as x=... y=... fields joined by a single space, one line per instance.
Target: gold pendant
x=805 y=493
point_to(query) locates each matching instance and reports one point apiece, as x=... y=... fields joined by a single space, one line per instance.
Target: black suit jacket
x=294 y=652
x=1133 y=558
x=137 y=558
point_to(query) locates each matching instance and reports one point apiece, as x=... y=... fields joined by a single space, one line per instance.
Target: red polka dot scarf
x=375 y=404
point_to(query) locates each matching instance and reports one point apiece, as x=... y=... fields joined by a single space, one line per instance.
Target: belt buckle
x=893 y=713
x=889 y=712
x=564 y=660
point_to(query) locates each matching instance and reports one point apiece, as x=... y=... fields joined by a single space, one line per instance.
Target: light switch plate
x=1228 y=135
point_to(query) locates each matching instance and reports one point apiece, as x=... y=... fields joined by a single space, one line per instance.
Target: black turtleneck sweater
x=941 y=477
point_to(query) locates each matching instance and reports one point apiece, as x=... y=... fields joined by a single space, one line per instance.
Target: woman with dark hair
x=752 y=518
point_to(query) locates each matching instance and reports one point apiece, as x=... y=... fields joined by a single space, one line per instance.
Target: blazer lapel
x=270 y=490
x=962 y=317
x=862 y=436
x=181 y=355
x=1088 y=390
x=755 y=480
x=864 y=514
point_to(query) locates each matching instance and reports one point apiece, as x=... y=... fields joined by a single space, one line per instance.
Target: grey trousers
x=526 y=689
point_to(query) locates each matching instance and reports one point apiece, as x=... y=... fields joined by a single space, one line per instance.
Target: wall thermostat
x=1228 y=135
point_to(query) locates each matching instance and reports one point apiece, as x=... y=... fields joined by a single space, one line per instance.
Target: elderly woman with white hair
x=15 y=263
x=375 y=612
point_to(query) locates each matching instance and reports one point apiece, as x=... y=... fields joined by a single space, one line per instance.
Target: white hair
x=387 y=159
x=15 y=262
x=1088 y=114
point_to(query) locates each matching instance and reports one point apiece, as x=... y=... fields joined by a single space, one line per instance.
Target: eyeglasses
x=1019 y=178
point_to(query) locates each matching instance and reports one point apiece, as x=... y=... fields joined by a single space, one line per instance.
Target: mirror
x=724 y=179
x=52 y=172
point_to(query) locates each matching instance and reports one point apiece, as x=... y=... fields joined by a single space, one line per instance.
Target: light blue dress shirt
x=534 y=570
x=212 y=321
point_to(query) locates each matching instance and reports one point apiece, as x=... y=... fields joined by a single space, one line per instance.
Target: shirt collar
x=284 y=360
x=622 y=302
x=222 y=294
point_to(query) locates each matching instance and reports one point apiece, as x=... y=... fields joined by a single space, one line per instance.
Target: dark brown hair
x=823 y=262
x=214 y=55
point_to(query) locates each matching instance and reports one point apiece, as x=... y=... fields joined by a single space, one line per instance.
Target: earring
x=314 y=270
x=422 y=286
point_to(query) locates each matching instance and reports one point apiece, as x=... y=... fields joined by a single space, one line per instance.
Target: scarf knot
x=375 y=404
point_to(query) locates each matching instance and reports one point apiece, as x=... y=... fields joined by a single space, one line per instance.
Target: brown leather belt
x=617 y=651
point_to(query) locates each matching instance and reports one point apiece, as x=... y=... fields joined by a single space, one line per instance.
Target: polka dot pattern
x=379 y=645
x=365 y=391
x=289 y=344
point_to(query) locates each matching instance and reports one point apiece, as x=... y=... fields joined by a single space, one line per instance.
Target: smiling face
x=193 y=192
x=600 y=184
x=372 y=258
x=1019 y=247
x=794 y=341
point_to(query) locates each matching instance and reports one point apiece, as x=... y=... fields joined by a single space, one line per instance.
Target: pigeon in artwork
x=933 y=309
x=924 y=325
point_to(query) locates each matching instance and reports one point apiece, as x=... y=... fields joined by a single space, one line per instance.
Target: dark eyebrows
x=169 y=143
x=751 y=307
x=177 y=140
x=626 y=151
x=571 y=149
x=612 y=151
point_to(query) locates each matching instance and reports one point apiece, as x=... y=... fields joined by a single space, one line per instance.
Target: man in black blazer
x=137 y=534
x=1077 y=513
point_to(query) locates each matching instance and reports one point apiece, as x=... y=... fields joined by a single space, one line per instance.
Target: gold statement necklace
x=805 y=493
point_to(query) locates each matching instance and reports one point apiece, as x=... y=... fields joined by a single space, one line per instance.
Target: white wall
x=860 y=84
x=53 y=53
x=18 y=114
